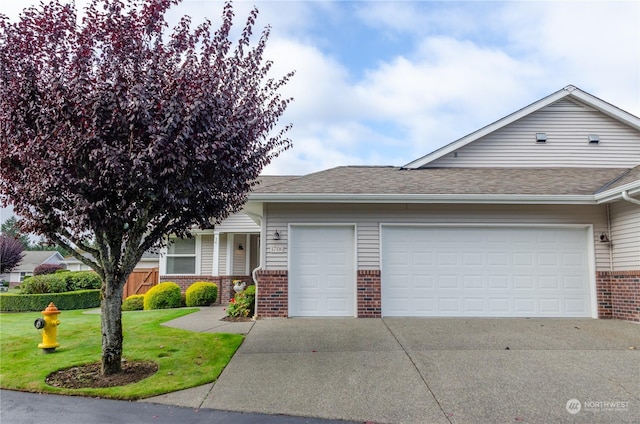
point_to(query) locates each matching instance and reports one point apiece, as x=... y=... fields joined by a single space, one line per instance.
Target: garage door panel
x=486 y=271
x=572 y=259
x=474 y=304
x=446 y=282
x=499 y=306
x=523 y=282
x=550 y=306
x=308 y=282
x=577 y=306
x=548 y=259
x=498 y=281
x=447 y=259
x=523 y=306
x=574 y=282
x=336 y=282
x=548 y=282
x=450 y=306
x=308 y=305
x=522 y=259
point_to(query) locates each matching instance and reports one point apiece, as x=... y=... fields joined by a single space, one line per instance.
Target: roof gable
x=33 y=258
x=569 y=98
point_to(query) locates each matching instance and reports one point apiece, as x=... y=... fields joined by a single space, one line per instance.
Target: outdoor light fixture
x=240 y=247
x=541 y=137
x=604 y=238
x=276 y=235
x=593 y=138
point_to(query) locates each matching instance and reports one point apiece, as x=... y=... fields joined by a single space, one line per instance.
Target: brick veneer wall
x=273 y=294
x=224 y=282
x=618 y=294
x=369 y=294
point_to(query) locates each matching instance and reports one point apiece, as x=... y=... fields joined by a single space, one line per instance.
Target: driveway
x=416 y=370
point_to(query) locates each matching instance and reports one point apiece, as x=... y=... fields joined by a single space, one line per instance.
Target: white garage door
x=485 y=272
x=321 y=271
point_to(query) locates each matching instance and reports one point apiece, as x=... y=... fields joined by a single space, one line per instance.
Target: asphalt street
x=30 y=408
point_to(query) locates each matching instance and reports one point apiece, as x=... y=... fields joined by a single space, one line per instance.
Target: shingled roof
x=473 y=181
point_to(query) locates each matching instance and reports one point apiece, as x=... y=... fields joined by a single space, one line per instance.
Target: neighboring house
x=33 y=258
x=535 y=215
x=148 y=260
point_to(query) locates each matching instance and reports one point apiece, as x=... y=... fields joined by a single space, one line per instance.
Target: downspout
x=610 y=242
x=261 y=260
x=625 y=196
x=255 y=283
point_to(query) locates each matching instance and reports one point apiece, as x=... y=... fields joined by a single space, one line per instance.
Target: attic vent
x=541 y=137
x=593 y=138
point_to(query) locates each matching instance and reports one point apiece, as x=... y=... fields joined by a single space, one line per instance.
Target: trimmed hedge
x=201 y=293
x=61 y=282
x=80 y=299
x=163 y=296
x=135 y=302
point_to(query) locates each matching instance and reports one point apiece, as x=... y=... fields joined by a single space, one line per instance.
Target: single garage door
x=321 y=271
x=485 y=271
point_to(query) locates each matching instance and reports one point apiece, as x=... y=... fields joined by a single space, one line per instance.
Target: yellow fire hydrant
x=49 y=327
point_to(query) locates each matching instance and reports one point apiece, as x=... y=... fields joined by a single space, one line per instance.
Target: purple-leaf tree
x=114 y=133
x=10 y=253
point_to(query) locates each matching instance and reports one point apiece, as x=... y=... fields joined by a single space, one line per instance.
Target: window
x=181 y=256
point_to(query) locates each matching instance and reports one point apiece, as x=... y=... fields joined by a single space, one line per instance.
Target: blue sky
x=382 y=83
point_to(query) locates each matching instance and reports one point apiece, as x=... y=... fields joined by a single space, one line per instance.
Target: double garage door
x=485 y=272
x=446 y=271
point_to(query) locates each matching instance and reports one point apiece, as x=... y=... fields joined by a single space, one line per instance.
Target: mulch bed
x=89 y=375
x=236 y=319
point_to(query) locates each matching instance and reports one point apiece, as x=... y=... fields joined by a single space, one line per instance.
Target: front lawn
x=185 y=359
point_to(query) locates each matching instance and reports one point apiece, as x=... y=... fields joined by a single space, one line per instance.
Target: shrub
x=81 y=299
x=163 y=296
x=201 y=293
x=243 y=304
x=135 y=302
x=43 y=269
x=47 y=283
x=61 y=282
x=82 y=280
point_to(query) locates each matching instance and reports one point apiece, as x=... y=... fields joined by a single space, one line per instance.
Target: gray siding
x=368 y=219
x=238 y=223
x=222 y=254
x=206 y=260
x=625 y=236
x=567 y=124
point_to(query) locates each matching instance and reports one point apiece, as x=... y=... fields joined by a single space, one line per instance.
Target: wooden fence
x=140 y=281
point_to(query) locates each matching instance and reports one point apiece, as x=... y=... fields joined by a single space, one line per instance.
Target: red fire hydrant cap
x=51 y=310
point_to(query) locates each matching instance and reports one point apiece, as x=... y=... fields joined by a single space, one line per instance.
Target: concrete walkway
x=426 y=370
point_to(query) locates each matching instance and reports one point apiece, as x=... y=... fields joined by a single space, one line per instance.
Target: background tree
x=114 y=134
x=10 y=253
x=10 y=228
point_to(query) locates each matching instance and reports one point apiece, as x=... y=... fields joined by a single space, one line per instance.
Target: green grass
x=185 y=359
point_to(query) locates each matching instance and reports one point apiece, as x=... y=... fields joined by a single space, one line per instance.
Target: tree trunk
x=111 y=308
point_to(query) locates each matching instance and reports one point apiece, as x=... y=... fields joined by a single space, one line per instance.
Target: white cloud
x=594 y=45
x=463 y=66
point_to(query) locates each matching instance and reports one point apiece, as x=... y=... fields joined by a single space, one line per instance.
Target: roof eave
x=514 y=199
x=614 y=194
